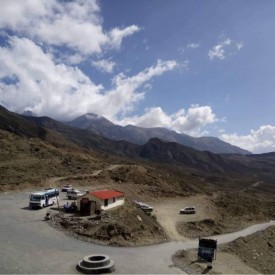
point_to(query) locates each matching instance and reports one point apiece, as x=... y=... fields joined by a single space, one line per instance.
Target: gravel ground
x=256 y=250
x=168 y=216
x=225 y=263
x=30 y=245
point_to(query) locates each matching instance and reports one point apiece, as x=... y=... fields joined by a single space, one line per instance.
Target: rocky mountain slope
x=162 y=151
x=155 y=152
x=13 y=123
x=139 y=135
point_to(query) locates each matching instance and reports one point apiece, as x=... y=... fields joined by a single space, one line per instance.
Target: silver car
x=188 y=210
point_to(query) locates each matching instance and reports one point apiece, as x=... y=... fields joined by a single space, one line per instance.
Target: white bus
x=44 y=198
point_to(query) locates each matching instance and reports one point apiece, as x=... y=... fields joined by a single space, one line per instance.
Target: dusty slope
x=217 y=214
x=253 y=254
x=225 y=263
x=29 y=161
x=257 y=250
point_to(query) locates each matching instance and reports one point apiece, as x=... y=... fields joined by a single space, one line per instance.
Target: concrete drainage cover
x=96 y=264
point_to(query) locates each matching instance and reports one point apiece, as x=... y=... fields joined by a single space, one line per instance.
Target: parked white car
x=188 y=210
x=73 y=194
x=66 y=187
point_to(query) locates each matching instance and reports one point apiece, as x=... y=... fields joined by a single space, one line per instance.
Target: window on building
x=114 y=199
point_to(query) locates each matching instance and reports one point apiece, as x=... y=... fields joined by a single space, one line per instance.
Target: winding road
x=29 y=245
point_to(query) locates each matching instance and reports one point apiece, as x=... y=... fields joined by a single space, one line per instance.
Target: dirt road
x=29 y=245
x=168 y=216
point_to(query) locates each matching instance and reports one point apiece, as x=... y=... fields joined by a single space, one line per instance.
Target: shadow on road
x=206 y=271
x=28 y=208
x=57 y=209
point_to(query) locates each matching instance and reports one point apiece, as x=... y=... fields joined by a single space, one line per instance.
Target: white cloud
x=224 y=48
x=148 y=86
x=124 y=96
x=184 y=65
x=76 y=25
x=42 y=86
x=73 y=59
x=218 y=50
x=261 y=140
x=49 y=36
x=239 y=45
x=190 y=121
x=48 y=88
x=183 y=49
x=137 y=80
x=104 y=65
x=116 y=35
x=193 y=45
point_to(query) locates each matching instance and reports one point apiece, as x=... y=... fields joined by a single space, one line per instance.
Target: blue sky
x=204 y=68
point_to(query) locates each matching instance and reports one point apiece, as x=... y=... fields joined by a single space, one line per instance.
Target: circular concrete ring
x=95 y=264
x=96 y=260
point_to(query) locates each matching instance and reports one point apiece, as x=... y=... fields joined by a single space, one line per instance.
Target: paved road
x=29 y=245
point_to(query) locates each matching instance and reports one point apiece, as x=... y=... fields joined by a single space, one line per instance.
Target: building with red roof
x=107 y=194
x=94 y=201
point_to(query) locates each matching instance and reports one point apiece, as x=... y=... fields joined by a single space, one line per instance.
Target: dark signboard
x=207 y=249
x=206 y=253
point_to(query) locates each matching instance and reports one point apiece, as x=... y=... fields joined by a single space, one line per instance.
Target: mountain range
x=252 y=167
x=139 y=135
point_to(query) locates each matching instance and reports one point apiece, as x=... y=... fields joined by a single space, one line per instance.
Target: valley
x=229 y=191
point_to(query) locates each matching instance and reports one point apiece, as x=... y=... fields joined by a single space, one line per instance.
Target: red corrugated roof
x=107 y=194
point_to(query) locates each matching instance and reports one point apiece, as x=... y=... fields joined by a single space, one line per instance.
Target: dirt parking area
x=168 y=215
x=26 y=236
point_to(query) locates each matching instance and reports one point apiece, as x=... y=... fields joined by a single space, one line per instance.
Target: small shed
x=93 y=201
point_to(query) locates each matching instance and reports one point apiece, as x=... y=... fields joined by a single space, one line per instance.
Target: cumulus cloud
x=39 y=84
x=190 y=121
x=125 y=93
x=43 y=40
x=76 y=25
x=104 y=65
x=261 y=140
x=42 y=86
x=224 y=48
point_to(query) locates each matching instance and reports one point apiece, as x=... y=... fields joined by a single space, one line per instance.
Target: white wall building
x=93 y=201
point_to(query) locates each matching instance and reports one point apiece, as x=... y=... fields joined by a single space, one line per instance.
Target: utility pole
x=57 y=199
